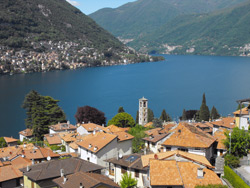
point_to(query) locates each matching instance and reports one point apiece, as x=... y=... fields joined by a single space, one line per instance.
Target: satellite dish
x=106 y=172
x=48 y=158
x=120 y=155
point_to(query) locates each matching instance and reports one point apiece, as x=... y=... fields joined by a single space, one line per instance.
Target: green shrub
x=234 y=179
x=210 y=186
x=231 y=160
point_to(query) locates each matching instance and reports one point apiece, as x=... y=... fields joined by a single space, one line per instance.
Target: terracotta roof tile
x=165 y=155
x=20 y=162
x=164 y=173
x=9 y=172
x=155 y=138
x=53 y=139
x=73 y=145
x=26 y=132
x=123 y=136
x=95 y=142
x=63 y=127
x=186 y=135
x=244 y=111
x=154 y=131
x=113 y=129
x=166 y=128
x=90 y=127
x=149 y=124
x=10 y=139
x=228 y=122
x=220 y=136
x=88 y=180
x=68 y=137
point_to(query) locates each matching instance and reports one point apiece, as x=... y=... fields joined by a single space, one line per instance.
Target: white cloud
x=74 y=3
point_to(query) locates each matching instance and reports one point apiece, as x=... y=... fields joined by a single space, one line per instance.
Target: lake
x=173 y=84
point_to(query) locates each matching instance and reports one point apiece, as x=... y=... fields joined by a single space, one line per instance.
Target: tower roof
x=143 y=99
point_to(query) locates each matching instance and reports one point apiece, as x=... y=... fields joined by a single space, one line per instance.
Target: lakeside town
x=49 y=55
x=127 y=153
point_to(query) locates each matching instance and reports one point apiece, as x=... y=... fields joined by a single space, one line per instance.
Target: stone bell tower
x=143 y=111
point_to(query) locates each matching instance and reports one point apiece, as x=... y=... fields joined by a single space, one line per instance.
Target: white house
x=226 y=123
x=88 y=128
x=25 y=134
x=188 y=138
x=242 y=118
x=62 y=127
x=154 y=142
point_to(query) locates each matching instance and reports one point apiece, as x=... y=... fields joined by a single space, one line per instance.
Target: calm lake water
x=173 y=84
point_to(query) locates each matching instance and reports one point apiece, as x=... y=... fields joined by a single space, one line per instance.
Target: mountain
x=41 y=35
x=224 y=32
x=142 y=16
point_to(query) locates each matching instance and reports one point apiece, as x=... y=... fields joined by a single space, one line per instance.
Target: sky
x=90 y=6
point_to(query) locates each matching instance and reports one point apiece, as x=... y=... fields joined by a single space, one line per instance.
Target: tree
x=214 y=114
x=122 y=119
x=232 y=161
x=240 y=106
x=150 y=115
x=90 y=114
x=239 y=142
x=127 y=181
x=120 y=110
x=184 y=115
x=165 y=116
x=2 y=143
x=204 y=110
x=157 y=122
x=137 y=117
x=41 y=111
x=138 y=132
x=30 y=100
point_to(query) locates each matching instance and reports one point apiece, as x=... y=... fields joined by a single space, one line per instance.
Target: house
x=205 y=126
x=11 y=141
x=242 y=118
x=220 y=137
x=10 y=177
x=124 y=144
x=186 y=137
x=53 y=139
x=98 y=147
x=149 y=125
x=43 y=174
x=175 y=173
x=62 y=127
x=227 y=123
x=139 y=165
x=154 y=142
x=114 y=129
x=88 y=128
x=26 y=134
x=86 y=180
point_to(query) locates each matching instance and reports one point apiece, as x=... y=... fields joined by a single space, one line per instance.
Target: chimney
x=68 y=122
x=62 y=172
x=156 y=156
x=145 y=151
x=28 y=168
x=33 y=161
x=200 y=173
x=103 y=125
x=81 y=186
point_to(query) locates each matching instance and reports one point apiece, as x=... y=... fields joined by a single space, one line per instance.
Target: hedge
x=234 y=179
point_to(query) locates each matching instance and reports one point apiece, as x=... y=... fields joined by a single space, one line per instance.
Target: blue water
x=173 y=84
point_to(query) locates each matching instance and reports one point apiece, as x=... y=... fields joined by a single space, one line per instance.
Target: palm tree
x=127 y=181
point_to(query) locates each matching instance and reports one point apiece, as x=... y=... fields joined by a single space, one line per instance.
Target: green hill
x=142 y=16
x=43 y=35
x=225 y=32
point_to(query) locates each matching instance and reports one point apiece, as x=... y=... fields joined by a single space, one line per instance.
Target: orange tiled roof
x=95 y=142
x=149 y=124
x=63 y=127
x=228 y=122
x=53 y=139
x=220 y=136
x=153 y=132
x=9 y=172
x=244 y=111
x=164 y=173
x=123 y=136
x=68 y=137
x=26 y=132
x=20 y=162
x=167 y=128
x=10 y=139
x=73 y=145
x=186 y=135
x=113 y=129
x=165 y=155
x=179 y=173
x=90 y=127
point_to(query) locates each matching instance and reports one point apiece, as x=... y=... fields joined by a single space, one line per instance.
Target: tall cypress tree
x=120 y=110
x=184 y=115
x=150 y=115
x=214 y=114
x=163 y=115
x=204 y=110
x=137 y=117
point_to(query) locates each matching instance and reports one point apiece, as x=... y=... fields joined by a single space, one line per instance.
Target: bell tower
x=143 y=111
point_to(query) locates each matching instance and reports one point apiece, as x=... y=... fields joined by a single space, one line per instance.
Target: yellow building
x=242 y=118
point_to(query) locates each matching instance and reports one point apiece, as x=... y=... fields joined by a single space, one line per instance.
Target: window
x=183 y=149
x=137 y=172
x=124 y=169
